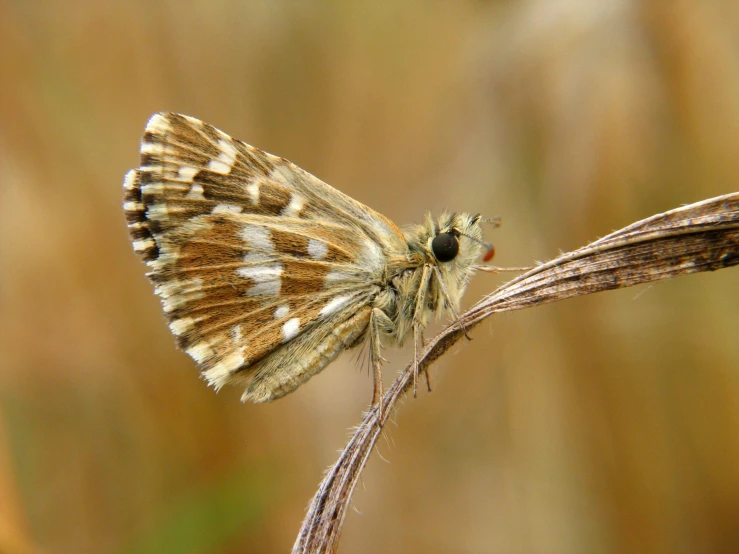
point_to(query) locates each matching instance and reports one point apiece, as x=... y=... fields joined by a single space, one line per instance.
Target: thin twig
x=699 y=237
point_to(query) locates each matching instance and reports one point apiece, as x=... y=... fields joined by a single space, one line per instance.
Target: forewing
x=255 y=259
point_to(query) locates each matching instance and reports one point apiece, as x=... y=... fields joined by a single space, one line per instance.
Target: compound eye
x=445 y=247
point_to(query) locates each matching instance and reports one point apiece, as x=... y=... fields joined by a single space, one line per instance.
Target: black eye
x=445 y=247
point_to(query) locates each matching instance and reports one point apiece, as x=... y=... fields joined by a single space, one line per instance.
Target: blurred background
x=608 y=423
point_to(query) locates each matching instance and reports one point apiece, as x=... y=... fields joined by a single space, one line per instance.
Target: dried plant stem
x=699 y=237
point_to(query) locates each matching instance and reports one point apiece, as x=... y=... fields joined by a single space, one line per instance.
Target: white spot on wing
x=229 y=363
x=258 y=237
x=196 y=192
x=225 y=160
x=143 y=244
x=252 y=189
x=129 y=180
x=335 y=305
x=293 y=208
x=266 y=288
x=186 y=173
x=158 y=212
x=133 y=206
x=221 y=371
x=281 y=312
x=261 y=273
x=236 y=335
x=252 y=258
x=290 y=329
x=338 y=275
x=262 y=268
x=180 y=326
x=158 y=124
x=228 y=149
x=266 y=278
x=177 y=301
x=227 y=208
x=158 y=188
x=178 y=293
x=217 y=166
x=317 y=249
x=151 y=148
x=200 y=351
x=170 y=288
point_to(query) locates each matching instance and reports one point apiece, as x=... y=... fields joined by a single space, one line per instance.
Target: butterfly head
x=453 y=245
x=454 y=241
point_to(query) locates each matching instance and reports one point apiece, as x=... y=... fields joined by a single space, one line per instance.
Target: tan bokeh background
x=603 y=424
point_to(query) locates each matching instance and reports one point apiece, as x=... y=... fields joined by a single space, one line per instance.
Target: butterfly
x=266 y=274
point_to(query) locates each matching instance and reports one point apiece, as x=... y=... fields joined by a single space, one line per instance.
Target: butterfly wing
x=265 y=273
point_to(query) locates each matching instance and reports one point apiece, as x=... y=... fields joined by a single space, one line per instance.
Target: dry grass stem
x=699 y=237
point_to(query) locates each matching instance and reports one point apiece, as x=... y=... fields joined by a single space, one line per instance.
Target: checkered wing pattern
x=265 y=273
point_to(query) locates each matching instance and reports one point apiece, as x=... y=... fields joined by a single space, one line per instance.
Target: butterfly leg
x=452 y=307
x=378 y=319
x=418 y=322
x=426 y=373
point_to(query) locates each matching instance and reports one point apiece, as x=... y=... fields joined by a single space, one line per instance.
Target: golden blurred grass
x=603 y=424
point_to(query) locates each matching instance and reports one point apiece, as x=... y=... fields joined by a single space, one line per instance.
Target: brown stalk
x=699 y=237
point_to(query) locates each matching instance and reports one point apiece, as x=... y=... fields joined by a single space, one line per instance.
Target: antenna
x=489 y=248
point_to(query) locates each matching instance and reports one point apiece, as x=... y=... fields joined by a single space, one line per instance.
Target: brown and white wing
x=265 y=272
